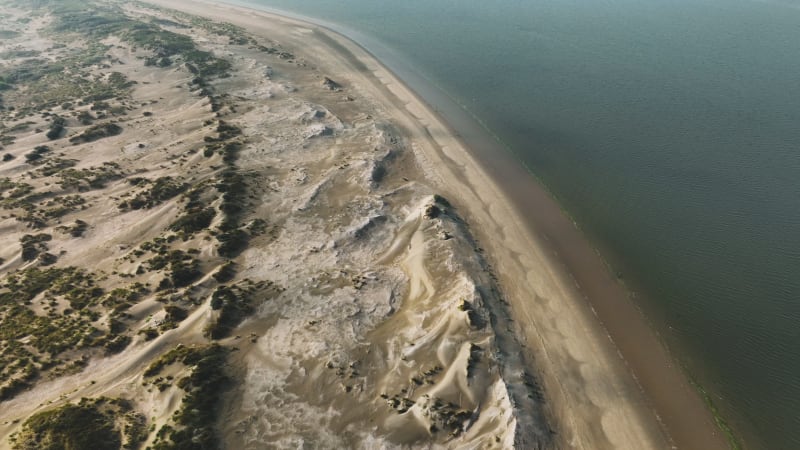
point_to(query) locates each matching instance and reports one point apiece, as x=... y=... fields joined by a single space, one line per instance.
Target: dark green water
x=670 y=130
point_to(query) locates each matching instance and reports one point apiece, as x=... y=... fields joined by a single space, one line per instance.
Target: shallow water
x=669 y=131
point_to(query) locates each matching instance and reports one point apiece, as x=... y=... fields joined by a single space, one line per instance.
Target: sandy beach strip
x=608 y=381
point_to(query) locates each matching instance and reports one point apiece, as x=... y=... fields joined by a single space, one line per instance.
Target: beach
x=440 y=279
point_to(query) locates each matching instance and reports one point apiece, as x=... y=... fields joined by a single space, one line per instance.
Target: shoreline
x=563 y=267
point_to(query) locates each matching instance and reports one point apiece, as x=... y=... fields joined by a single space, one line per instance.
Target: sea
x=669 y=130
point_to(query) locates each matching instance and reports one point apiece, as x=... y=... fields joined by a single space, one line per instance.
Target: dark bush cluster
x=161 y=190
x=33 y=245
x=92 y=423
x=96 y=132
x=183 y=268
x=193 y=423
x=234 y=304
x=56 y=127
x=193 y=221
x=37 y=154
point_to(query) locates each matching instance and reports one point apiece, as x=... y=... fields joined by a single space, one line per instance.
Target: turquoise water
x=670 y=130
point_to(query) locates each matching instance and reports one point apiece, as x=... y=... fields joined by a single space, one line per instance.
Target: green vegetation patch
x=14 y=189
x=232 y=239
x=73 y=16
x=160 y=190
x=168 y=46
x=85 y=118
x=192 y=425
x=39 y=208
x=225 y=273
x=24 y=198
x=76 y=229
x=193 y=221
x=183 y=267
x=232 y=242
x=54 y=165
x=236 y=35
x=35 y=157
x=234 y=304
x=31 y=343
x=96 y=132
x=63 y=205
x=445 y=416
x=120 y=299
x=33 y=245
x=49 y=83
x=101 y=423
x=56 y=128
x=174 y=315
x=19 y=127
x=95 y=177
x=176 y=355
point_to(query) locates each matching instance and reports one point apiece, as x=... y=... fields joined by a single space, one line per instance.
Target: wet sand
x=677 y=405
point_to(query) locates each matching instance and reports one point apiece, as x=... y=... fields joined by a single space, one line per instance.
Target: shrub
x=33 y=245
x=37 y=153
x=56 y=128
x=97 y=132
x=225 y=274
x=233 y=242
x=194 y=221
x=92 y=423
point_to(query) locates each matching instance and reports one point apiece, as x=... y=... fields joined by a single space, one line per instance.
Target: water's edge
x=573 y=249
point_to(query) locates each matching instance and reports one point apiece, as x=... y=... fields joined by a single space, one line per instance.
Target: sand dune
x=379 y=319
